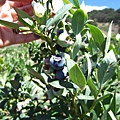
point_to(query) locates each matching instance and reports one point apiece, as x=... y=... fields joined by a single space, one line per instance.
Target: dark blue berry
x=60 y=31
x=61 y=74
x=17 y=76
x=57 y=62
x=97 y=65
x=86 y=40
x=61 y=49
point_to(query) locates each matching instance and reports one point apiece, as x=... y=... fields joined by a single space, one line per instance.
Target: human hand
x=2 y=2
x=7 y=35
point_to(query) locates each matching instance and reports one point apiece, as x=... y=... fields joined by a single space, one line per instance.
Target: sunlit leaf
x=56 y=84
x=78 y=20
x=66 y=1
x=60 y=13
x=89 y=64
x=92 y=87
x=24 y=18
x=93 y=47
x=97 y=36
x=107 y=67
x=70 y=63
x=36 y=74
x=117 y=48
x=10 y=24
x=108 y=38
x=112 y=115
x=76 y=46
x=85 y=97
x=113 y=104
x=76 y=3
x=77 y=76
x=117 y=102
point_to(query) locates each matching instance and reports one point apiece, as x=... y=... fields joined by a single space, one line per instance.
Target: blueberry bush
x=72 y=73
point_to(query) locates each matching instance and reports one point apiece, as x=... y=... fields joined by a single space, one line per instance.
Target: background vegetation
x=33 y=87
x=106 y=16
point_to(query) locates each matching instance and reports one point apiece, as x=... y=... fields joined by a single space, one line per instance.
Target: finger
x=21 y=0
x=28 y=9
x=1 y=41
x=11 y=15
x=25 y=38
x=2 y=2
x=18 y=4
x=8 y=37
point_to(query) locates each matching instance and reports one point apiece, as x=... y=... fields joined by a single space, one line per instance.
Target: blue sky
x=115 y=4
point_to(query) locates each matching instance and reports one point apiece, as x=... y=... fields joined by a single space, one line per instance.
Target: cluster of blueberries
x=57 y=64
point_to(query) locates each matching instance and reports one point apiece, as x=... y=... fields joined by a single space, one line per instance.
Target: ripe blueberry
x=59 y=48
x=57 y=91
x=61 y=74
x=60 y=31
x=57 y=62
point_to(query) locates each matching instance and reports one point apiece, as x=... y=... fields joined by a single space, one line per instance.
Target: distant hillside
x=105 y=26
x=103 y=18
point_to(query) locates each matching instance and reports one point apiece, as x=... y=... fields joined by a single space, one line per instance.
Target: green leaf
x=117 y=102
x=97 y=36
x=50 y=94
x=76 y=3
x=56 y=84
x=14 y=25
x=107 y=67
x=70 y=63
x=10 y=24
x=24 y=18
x=113 y=104
x=78 y=20
x=15 y=84
x=60 y=13
x=92 y=87
x=117 y=48
x=92 y=47
x=39 y=83
x=83 y=105
x=93 y=112
x=76 y=46
x=89 y=64
x=61 y=84
x=104 y=115
x=112 y=115
x=103 y=97
x=77 y=76
x=37 y=75
x=108 y=38
x=96 y=33
x=66 y=1
x=67 y=84
x=85 y=97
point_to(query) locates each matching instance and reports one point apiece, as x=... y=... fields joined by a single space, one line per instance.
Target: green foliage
x=58 y=15
x=97 y=37
x=78 y=20
x=88 y=89
x=77 y=76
